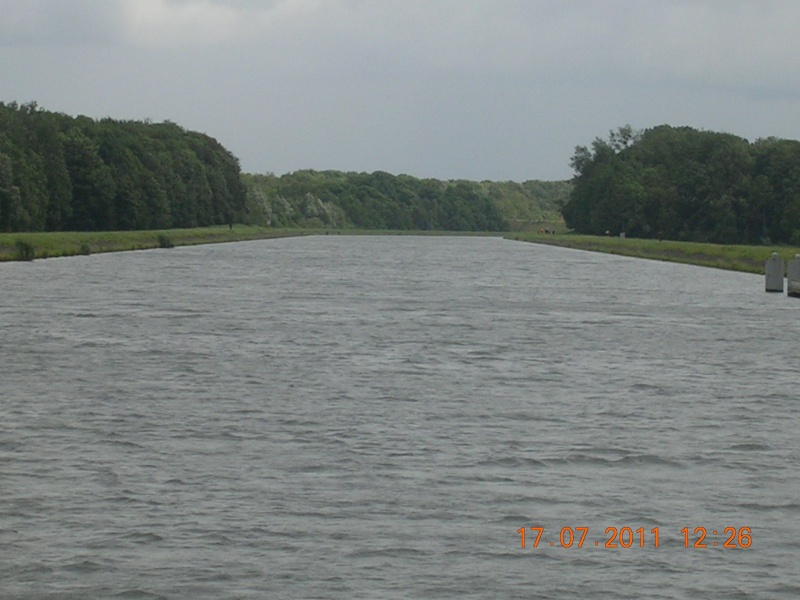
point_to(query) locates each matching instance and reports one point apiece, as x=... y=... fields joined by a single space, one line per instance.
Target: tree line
x=63 y=173
x=687 y=184
x=380 y=200
x=79 y=174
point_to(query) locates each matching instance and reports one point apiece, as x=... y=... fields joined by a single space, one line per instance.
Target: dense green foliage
x=685 y=184
x=62 y=173
x=382 y=201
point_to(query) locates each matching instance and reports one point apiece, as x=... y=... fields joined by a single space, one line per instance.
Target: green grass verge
x=28 y=246
x=749 y=259
x=17 y=246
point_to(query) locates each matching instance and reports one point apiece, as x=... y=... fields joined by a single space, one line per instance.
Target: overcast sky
x=472 y=89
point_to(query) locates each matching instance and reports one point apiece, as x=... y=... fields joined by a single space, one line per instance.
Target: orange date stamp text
x=628 y=537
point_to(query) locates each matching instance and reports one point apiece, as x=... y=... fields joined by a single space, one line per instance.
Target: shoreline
x=39 y=245
x=729 y=257
x=28 y=246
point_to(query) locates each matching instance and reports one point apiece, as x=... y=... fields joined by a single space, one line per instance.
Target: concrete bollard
x=793 y=277
x=774 y=270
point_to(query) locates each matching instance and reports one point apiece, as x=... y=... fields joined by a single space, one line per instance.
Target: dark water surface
x=376 y=417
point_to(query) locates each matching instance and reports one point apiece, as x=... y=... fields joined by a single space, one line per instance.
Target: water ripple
x=360 y=417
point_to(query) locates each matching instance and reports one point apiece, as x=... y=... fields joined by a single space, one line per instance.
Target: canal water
x=379 y=417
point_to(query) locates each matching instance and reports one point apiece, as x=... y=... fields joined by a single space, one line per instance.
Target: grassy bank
x=749 y=259
x=27 y=246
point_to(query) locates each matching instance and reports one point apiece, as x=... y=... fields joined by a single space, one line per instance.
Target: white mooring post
x=774 y=270
x=793 y=276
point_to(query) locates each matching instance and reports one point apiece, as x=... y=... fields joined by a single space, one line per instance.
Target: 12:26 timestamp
x=733 y=537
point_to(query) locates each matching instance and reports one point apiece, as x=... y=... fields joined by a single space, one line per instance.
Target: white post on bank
x=774 y=270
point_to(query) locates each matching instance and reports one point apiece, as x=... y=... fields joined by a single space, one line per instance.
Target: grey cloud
x=55 y=22
x=480 y=89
